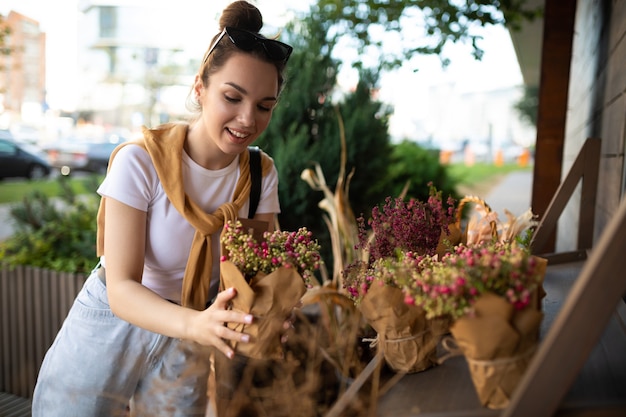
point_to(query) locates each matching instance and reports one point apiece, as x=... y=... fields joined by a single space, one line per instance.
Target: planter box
x=33 y=305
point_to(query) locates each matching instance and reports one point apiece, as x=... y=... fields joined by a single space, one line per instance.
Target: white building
x=132 y=65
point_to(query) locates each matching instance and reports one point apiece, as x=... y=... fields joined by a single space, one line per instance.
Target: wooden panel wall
x=596 y=108
x=33 y=305
x=613 y=126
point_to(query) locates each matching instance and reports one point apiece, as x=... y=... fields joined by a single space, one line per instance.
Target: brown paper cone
x=270 y=299
x=403 y=331
x=441 y=325
x=527 y=323
x=488 y=333
x=450 y=239
x=498 y=343
x=496 y=380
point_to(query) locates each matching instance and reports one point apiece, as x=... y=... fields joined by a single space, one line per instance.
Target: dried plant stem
x=340 y=218
x=349 y=395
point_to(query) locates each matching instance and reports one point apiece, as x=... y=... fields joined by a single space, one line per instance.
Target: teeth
x=238 y=134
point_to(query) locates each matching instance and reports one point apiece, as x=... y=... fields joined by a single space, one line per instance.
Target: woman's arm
x=124 y=249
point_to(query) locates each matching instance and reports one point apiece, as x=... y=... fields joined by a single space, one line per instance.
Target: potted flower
x=271 y=275
x=271 y=272
x=489 y=291
x=400 y=233
x=485 y=227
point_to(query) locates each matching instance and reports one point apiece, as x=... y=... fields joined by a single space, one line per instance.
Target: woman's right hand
x=209 y=326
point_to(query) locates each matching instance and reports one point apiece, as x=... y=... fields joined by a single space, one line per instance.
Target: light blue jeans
x=100 y=364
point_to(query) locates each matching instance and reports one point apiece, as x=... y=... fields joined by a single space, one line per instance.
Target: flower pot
x=408 y=339
x=498 y=343
x=270 y=299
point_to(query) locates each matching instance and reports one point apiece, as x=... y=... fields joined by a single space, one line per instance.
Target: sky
x=404 y=88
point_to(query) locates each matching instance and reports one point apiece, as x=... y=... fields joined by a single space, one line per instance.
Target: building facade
x=130 y=65
x=23 y=71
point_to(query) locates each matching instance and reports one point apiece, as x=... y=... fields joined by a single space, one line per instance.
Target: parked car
x=81 y=155
x=6 y=134
x=22 y=160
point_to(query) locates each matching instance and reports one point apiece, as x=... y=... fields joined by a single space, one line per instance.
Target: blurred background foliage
x=56 y=233
x=305 y=127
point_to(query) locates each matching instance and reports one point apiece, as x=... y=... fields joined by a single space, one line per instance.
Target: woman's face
x=238 y=102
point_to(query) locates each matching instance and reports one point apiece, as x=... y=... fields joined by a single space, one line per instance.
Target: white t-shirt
x=133 y=180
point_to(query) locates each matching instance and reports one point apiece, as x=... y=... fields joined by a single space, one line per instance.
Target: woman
x=140 y=331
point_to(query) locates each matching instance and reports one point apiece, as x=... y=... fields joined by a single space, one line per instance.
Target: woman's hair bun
x=242 y=15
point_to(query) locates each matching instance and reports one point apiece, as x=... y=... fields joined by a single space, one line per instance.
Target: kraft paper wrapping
x=449 y=239
x=498 y=343
x=405 y=335
x=270 y=299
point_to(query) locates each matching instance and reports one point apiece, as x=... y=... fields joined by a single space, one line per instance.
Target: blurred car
x=81 y=155
x=6 y=134
x=22 y=160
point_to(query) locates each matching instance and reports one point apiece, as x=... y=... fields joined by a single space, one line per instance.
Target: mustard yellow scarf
x=165 y=147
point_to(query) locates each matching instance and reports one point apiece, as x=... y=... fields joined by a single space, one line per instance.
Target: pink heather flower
x=525 y=295
x=278 y=249
x=396 y=237
x=449 y=286
x=442 y=289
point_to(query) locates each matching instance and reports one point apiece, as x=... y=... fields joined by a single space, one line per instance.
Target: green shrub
x=417 y=166
x=58 y=234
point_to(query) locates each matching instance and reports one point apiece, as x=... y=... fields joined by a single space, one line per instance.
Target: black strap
x=256 y=175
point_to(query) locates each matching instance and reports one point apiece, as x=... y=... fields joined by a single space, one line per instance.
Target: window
x=108 y=21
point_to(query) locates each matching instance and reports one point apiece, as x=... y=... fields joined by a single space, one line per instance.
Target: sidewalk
x=6 y=222
x=513 y=193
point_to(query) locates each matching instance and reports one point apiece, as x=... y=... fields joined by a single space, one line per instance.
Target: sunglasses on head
x=247 y=41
